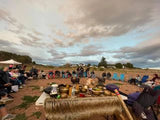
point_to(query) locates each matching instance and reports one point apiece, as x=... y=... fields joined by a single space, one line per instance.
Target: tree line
x=20 y=58
x=103 y=63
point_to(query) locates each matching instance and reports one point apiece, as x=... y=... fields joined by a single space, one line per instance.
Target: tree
x=89 y=65
x=103 y=62
x=129 y=65
x=67 y=65
x=34 y=62
x=119 y=65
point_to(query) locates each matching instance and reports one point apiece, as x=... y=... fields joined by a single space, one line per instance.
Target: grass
x=20 y=117
x=27 y=101
x=37 y=114
x=35 y=87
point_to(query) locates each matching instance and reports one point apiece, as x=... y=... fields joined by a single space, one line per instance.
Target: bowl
x=83 y=90
x=63 y=90
x=76 y=91
x=96 y=92
x=107 y=93
x=100 y=87
x=64 y=95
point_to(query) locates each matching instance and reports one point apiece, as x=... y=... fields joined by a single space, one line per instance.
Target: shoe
x=8 y=117
x=5 y=100
x=20 y=87
x=143 y=116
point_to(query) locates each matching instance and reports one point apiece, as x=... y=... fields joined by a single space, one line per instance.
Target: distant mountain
x=20 y=58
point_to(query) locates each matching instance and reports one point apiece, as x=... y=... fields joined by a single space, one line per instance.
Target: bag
x=48 y=90
x=112 y=87
x=14 y=88
x=132 y=97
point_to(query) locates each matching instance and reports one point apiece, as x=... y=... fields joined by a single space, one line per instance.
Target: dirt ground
x=29 y=91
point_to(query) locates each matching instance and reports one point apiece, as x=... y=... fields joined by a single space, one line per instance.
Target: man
x=3 y=96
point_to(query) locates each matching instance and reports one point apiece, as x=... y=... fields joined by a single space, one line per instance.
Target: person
x=87 y=71
x=34 y=72
x=74 y=73
x=75 y=80
x=108 y=75
x=63 y=74
x=138 y=80
x=93 y=74
x=4 y=113
x=155 y=77
x=153 y=81
x=4 y=98
x=143 y=104
x=135 y=80
x=5 y=80
x=104 y=74
x=101 y=81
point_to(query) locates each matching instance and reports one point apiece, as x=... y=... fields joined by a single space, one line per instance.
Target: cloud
x=32 y=40
x=4 y=15
x=4 y=43
x=90 y=50
x=57 y=55
x=104 y=18
x=144 y=54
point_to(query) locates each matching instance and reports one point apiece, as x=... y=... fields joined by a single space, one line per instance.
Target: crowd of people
x=17 y=76
x=12 y=77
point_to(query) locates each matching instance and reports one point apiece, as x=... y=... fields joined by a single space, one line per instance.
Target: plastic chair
x=115 y=76
x=144 y=78
x=122 y=76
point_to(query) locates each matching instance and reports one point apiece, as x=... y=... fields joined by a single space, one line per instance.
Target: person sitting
x=50 y=74
x=42 y=75
x=151 y=82
x=13 y=75
x=3 y=111
x=74 y=73
x=108 y=75
x=155 y=77
x=6 y=80
x=104 y=75
x=34 y=72
x=93 y=74
x=135 y=80
x=68 y=74
x=101 y=81
x=63 y=74
x=75 y=80
x=4 y=98
x=57 y=73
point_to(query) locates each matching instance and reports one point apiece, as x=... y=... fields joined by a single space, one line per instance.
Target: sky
x=55 y=32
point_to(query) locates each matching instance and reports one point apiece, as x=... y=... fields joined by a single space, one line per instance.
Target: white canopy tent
x=11 y=61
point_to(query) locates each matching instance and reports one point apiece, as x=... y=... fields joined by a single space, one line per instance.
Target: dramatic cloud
x=144 y=54
x=56 y=31
x=102 y=18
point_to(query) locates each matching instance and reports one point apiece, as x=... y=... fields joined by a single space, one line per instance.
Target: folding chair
x=115 y=77
x=122 y=76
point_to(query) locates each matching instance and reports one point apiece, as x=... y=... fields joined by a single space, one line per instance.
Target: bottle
x=73 y=91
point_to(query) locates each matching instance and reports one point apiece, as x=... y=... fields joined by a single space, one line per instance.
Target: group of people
x=12 y=77
x=138 y=80
x=79 y=72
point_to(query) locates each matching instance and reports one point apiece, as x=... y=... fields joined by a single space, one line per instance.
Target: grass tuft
x=37 y=114
x=27 y=101
x=20 y=117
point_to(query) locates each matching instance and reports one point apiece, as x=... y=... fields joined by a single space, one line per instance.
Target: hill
x=20 y=58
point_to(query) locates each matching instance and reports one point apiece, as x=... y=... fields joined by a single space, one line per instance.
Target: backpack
x=112 y=87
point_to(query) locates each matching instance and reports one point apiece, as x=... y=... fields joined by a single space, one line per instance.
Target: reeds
x=82 y=108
